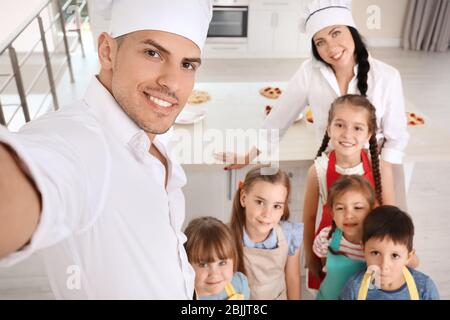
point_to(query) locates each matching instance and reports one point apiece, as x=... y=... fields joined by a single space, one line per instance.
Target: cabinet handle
x=300 y=25
x=275 y=3
x=231 y=183
x=225 y=48
x=232 y=9
x=276 y=19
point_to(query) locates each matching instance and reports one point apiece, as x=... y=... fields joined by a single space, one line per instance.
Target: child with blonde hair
x=270 y=243
x=214 y=255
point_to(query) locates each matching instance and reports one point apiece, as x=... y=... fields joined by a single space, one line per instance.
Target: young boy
x=388 y=244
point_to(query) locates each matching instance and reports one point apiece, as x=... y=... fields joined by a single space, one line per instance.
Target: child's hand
x=314 y=266
x=321 y=243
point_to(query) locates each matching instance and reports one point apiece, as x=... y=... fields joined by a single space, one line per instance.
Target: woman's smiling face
x=335 y=46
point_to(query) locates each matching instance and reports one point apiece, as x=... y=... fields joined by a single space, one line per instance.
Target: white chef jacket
x=316 y=85
x=107 y=216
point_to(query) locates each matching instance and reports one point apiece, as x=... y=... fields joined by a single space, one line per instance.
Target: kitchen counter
x=233 y=109
x=235 y=106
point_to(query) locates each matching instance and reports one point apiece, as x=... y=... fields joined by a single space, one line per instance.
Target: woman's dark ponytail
x=362 y=59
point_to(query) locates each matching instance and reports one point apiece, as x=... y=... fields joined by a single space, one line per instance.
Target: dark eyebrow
x=167 y=52
x=332 y=30
x=356 y=123
x=156 y=45
x=193 y=60
x=261 y=198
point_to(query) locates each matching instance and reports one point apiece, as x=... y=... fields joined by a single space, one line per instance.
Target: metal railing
x=16 y=64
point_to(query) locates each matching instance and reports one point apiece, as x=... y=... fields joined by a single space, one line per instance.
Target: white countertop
x=237 y=106
x=240 y=106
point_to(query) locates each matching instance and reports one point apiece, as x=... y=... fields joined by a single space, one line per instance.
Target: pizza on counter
x=270 y=92
x=309 y=115
x=197 y=97
x=414 y=119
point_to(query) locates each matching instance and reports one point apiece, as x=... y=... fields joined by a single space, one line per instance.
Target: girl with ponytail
x=351 y=126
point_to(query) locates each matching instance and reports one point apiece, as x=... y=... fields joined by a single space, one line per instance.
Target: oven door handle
x=231 y=9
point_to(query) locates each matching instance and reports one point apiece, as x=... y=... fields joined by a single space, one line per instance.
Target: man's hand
x=20 y=203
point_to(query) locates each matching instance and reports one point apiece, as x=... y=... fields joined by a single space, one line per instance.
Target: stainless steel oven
x=229 y=22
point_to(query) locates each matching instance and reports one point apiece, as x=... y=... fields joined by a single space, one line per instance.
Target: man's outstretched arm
x=20 y=203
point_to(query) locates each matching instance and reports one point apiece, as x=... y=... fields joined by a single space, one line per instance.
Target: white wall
x=391 y=14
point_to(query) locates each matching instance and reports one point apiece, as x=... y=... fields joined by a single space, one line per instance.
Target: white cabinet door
x=207 y=193
x=286 y=33
x=274 y=30
x=304 y=45
x=210 y=190
x=260 y=31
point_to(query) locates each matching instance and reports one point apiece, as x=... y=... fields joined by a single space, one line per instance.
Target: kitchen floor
x=426 y=80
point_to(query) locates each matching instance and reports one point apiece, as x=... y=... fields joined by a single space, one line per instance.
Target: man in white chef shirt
x=92 y=185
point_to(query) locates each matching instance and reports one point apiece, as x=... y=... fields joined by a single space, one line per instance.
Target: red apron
x=313 y=281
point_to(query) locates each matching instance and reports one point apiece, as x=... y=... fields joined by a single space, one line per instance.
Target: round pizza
x=197 y=97
x=309 y=115
x=414 y=119
x=270 y=92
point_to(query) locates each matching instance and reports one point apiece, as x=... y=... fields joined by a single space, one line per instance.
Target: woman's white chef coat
x=107 y=217
x=315 y=84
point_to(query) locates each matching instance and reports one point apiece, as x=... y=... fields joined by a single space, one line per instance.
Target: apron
x=232 y=294
x=230 y=291
x=332 y=176
x=265 y=270
x=340 y=268
x=412 y=288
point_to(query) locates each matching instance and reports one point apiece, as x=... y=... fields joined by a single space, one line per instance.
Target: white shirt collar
x=329 y=75
x=110 y=113
x=117 y=122
x=270 y=242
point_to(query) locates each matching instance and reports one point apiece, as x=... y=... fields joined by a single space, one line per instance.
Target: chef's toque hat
x=319 y=14
x=187 y=18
